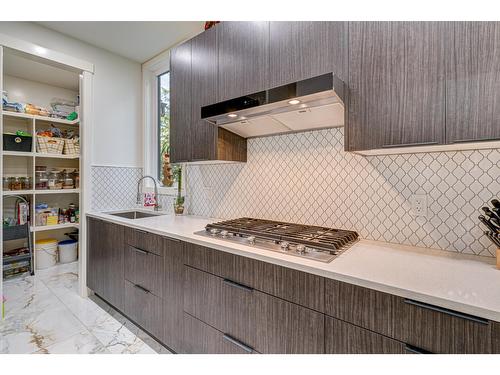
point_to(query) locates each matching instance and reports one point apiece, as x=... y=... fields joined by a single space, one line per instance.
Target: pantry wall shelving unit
x=34 y=74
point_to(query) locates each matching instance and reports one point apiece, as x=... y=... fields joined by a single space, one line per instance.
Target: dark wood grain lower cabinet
x=295 y=286
x=145 y=269
x=345 y=338
x=262 y=322
x=143 y=240
x=105 y=265
x=144 y=308
x=495 y=338
x=200 y=338
x=443 y=331
x=367 y=308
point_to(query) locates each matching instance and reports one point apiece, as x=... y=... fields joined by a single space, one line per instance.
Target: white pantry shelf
x=39 y=155
x=40 y=118
x=41 y=192
x=53 y=227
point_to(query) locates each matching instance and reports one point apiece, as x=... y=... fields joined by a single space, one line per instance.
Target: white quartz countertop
x=465 y=283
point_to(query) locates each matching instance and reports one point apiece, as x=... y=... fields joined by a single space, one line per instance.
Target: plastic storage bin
x=13 y=142
x=68 y=251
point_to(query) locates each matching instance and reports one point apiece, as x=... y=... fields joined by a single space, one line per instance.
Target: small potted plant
x=179 y=200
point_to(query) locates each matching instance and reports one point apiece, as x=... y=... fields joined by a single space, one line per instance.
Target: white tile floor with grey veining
x=45 y=314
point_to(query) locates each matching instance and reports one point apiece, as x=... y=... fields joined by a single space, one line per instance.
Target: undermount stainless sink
x=134 y=214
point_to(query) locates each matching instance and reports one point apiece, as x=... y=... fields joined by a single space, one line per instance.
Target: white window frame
x=150 y=72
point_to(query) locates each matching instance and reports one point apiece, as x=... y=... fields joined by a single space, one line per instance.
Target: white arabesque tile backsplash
x=309 y=178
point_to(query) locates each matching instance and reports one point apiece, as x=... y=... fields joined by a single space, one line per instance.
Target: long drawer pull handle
x=410 y=144
x=142 y=288
x=238 y=285
x=136 y=249
x=443 y=310
x=141 y=231
x=238 y=343
x=414 y=350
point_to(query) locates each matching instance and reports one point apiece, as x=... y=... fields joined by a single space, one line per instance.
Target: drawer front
x=144 y=269
x=200 y=338
x=298 y=287
x=144 y=308
x=367 y=308
x=443 y=331
x=145 y=241
x=265 y=323
x=345 y=338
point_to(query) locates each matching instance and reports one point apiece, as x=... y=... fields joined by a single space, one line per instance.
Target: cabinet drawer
x=145 y=241
x=200 y=338
x=144 y=269
x=263 y=322
x=295 y=286
x=444 y=331
x=367 y=308
x=345 y=338
x=144 y=308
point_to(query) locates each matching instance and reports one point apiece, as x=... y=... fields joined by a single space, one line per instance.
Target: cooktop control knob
x=284 y=245
x=214 y=231
x=301 y=249
x=224 y=233
x=251 y=239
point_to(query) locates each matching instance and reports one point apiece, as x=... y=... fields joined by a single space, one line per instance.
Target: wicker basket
x=49 y=145
x=71 y=147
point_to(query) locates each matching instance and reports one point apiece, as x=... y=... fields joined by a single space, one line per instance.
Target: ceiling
x=138 y=41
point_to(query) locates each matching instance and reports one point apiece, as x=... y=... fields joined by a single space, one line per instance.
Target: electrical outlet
x=419 y=205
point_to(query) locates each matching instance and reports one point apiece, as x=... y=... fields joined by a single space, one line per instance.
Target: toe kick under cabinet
x=196 y=299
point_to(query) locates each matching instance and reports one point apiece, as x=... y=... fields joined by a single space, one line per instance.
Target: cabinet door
x=204 y=92
x=300 y=50
x=495 y=338
x=180 y=103
x=243 y=58
x=95 y=258
x=397 y=84
x=345 y=338
x=473 y=82
x=144 y=308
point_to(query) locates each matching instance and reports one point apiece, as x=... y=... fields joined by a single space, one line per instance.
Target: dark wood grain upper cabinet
x=300 y=50
x=180 y=103
x=105 y=265
x=243 y=58
x=473 y=82
x=204 y=92
x=397 y=84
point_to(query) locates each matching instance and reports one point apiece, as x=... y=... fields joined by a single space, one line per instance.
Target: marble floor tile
x=45 y=314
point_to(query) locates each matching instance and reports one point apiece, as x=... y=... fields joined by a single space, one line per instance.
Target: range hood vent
x=314 y=103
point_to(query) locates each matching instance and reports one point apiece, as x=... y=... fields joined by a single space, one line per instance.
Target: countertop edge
x=362 y=282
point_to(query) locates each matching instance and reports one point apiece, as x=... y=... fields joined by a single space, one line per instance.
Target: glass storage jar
x=41 y=180
x=25 y=183
x=76 y=178
x=55 y=180
x=15 y=183
x=68 y=182
x=6 y=183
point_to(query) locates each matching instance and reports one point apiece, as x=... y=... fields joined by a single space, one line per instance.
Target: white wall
x=117 y=94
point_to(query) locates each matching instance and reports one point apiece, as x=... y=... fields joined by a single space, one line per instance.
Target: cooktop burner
x=312 y=242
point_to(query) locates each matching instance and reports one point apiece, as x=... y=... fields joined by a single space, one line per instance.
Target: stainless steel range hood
x=313 y=103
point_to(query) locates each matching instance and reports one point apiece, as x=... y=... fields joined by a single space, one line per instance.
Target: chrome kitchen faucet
x=139 y=192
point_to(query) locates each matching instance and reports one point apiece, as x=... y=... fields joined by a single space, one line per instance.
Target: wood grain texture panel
x=397 y=84
x=260 y=321
x=367 y=308
x=203 y=92
x=180 y=103
x=173 y=293
x=243 y=58
x=495 y=338
x=230 y=146
x=145 y=269
x=295 y=286
x=473 y=82
x=200 y=338
x=112 y=276
x=304 y=49
x=144 y=241
x=345 y=338
x=443 y=333
x=144 y=308
x=94 y=255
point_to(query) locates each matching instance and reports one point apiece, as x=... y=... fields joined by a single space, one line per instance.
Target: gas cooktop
x=306 y=241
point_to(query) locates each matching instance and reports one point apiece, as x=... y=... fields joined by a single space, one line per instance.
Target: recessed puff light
x=232 y=115
x=294 y=101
